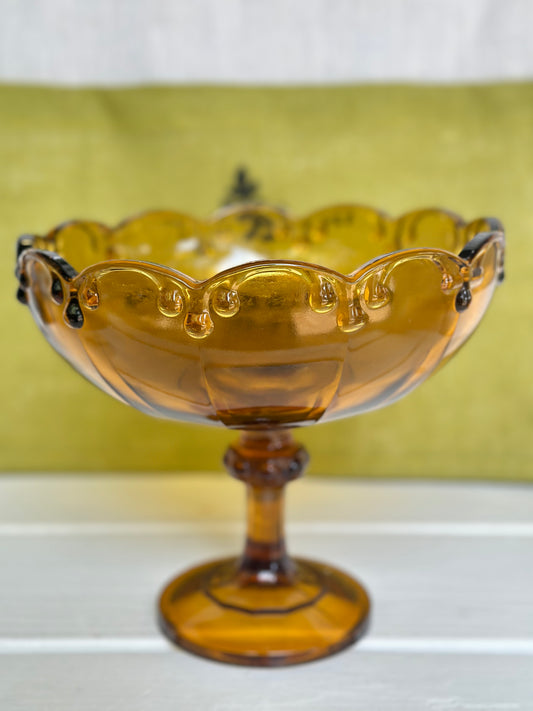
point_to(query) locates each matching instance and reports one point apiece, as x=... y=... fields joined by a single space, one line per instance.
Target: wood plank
x=351 y=681
x=422 y=586
x=146 y=498
x=449 y=567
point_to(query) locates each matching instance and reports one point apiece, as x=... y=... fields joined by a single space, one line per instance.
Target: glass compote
x=259 y=322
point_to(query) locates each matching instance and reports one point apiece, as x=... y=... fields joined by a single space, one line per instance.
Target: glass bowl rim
x=480 y=241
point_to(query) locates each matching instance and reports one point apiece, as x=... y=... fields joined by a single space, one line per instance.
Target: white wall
x=264 y=41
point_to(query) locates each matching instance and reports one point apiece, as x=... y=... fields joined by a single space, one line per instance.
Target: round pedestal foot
x=217 y=611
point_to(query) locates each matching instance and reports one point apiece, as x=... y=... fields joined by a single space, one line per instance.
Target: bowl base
x=215 y=610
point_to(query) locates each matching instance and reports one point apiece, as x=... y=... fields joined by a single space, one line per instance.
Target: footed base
x=219 y=611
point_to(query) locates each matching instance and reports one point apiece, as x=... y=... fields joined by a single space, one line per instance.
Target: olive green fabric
x=106 y=154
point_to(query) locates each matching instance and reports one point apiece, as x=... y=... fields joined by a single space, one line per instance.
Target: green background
x=106 y=154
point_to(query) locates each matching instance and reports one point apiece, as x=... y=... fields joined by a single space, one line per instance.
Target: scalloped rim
x=472 y=249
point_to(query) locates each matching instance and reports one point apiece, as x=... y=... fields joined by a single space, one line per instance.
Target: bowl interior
x=341 y=238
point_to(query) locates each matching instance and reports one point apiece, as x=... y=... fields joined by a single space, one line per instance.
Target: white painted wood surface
x=264 y=41
x=449 y=567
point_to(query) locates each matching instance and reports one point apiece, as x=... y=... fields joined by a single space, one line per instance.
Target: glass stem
x=265 y=550
x=266 y=460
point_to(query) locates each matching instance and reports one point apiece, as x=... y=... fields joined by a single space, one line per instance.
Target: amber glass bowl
x=260 y=322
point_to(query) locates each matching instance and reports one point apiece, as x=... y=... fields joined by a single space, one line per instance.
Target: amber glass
x=264 y=608
x=259 y=322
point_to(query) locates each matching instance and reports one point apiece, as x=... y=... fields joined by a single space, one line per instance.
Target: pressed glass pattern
x=257 y=321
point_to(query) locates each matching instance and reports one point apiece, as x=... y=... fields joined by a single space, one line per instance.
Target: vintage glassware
x=259 y=322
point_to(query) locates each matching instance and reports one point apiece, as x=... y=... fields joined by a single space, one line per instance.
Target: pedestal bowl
x=258 y=322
